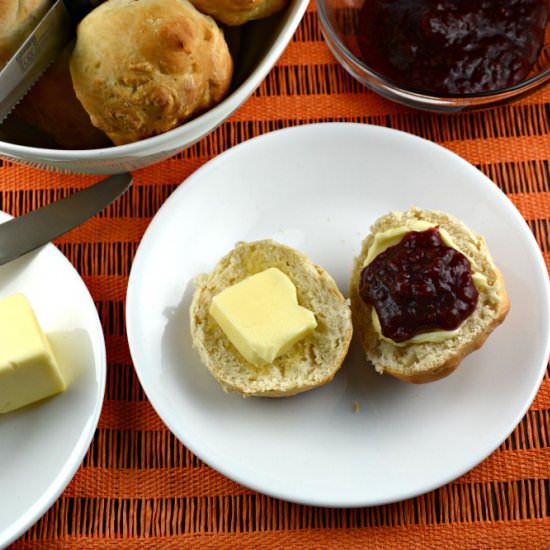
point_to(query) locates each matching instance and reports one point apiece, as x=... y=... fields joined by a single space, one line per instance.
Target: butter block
x=261 y=316
x=390 y=237
x=28 y=369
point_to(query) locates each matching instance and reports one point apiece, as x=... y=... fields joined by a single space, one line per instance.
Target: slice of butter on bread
x=426 y=361
x=311 y=361
x=261 y=315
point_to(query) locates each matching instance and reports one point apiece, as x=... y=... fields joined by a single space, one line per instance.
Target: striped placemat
x=138 y=487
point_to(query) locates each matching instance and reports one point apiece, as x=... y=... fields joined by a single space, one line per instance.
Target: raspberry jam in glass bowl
x=452 y=47
x=444 y=55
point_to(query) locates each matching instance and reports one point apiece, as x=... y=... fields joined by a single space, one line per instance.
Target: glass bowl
x=339 y=21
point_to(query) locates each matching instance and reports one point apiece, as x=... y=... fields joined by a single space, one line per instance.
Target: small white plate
x=319 y=188
x=42 y=445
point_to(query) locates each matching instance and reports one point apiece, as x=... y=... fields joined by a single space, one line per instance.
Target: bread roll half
x=429 y=361
x=311 y=362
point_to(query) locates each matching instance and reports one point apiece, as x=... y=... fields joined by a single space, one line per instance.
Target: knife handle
x=78 y=9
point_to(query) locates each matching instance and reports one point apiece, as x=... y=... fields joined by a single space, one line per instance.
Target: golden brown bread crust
x=52 y=106
x=238 y=12
x=363 y=327
x=17 y=20
x=141 y=68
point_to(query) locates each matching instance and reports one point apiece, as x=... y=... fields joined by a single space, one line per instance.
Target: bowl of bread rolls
x=141 y=80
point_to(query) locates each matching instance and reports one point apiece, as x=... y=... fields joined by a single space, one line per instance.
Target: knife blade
x=39 y=50
x=38 y=227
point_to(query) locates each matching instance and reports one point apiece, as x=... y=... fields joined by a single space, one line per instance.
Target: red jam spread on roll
x=419 y=285
x=452 y=47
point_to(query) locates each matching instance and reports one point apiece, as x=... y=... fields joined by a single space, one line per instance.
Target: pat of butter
x=28 y=369
x=391 y=237
x=261 y=316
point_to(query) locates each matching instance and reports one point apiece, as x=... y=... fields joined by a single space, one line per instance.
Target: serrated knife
x=30 y=231
x=38 y=51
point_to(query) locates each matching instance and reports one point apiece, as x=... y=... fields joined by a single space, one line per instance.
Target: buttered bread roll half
x=143 y=67
x=424 y=293
x=267 y=321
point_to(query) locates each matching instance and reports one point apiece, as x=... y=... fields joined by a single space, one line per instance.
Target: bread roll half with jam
x=310 y=362
x=441 y=320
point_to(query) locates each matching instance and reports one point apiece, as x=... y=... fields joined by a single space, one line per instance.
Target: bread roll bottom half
x=309 y=363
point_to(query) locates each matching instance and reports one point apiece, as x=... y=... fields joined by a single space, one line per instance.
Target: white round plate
x=319 y=188
x=42 y=445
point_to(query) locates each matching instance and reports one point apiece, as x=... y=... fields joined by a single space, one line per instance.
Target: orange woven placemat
x=139 y=487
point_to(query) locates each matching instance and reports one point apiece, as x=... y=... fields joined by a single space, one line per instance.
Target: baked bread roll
x=17 y=19
x=52 y=106
x=143 y=67
x=309 y=363
x=238 y=12
x=431 y=360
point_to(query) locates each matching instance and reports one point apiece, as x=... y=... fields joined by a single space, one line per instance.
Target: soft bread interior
x=311 y=362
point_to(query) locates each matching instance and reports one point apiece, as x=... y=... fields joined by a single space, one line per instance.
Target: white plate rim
x=308 y=130
x=68 y=470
